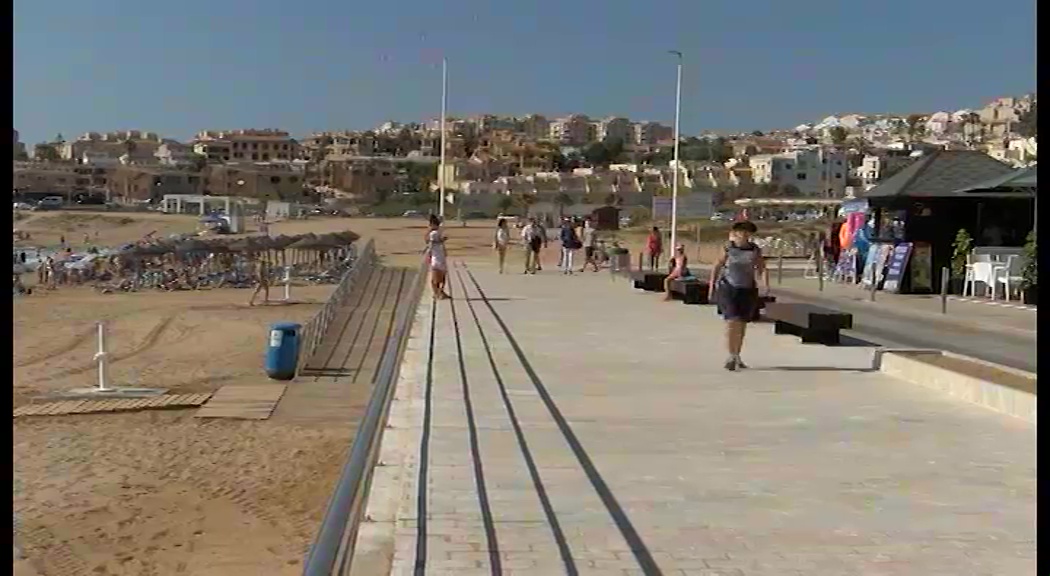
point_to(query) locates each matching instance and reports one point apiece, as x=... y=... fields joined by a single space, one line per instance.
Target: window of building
x=275 y=179
x=265 y=156
x=255 y=145
x=801 y=175
x=255 y=156
x=787 y=166
x=293 y=179
x=226 y=157
x=838 y=175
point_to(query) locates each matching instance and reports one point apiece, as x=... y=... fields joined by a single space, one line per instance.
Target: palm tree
x=562 y=200
x=915 y=126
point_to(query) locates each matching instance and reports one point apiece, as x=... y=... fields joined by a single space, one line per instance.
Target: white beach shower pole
x=101 y=357
x=287 y=283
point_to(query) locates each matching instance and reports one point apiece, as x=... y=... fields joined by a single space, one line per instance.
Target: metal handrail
x=333 y=549
x=314 y=330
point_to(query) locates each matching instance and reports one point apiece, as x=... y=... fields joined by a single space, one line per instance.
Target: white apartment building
x=875 y=168
x=246 y=145
x=816 y=172
x=650 y=133
x=614 y=128
x=574 y=130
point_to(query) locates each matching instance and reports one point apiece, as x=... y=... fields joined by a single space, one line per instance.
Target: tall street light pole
x=674 y=185
x=441 y=168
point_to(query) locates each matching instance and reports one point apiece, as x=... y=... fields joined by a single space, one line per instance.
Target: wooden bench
x=691 y=291
x=812 y=323
x=648 y=280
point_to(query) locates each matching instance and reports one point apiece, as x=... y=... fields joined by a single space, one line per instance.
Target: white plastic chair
x=970 y=279
x=1009 y=275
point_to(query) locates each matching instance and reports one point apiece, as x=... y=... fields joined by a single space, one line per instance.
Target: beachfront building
x=249 y=145
x=150 y=183
x=273 y=181
x=60 y=179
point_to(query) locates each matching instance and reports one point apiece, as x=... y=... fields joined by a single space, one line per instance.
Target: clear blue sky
x=177 y=67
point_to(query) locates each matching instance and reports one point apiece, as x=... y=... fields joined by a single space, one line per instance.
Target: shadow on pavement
x=810 y=369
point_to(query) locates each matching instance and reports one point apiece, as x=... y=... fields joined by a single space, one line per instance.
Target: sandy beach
x=161 y=492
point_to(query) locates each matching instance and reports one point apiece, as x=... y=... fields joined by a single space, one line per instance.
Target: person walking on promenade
x=590 y=244
x=543 y=244
x=531 y=241
x=735 y=280
x=679 y=269
x=437 y=260
x=570 y=243
x=501 y=242
x=261 y=278
x=654 y=247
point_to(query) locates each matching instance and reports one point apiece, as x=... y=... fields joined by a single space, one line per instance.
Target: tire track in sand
x=148 y=342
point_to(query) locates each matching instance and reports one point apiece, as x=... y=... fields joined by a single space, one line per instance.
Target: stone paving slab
x=808 y=463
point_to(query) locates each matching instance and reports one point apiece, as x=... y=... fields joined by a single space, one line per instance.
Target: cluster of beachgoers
x=189 y=263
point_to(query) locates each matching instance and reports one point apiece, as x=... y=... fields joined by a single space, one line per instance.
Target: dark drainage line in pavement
x=424 y=455
x=475 y=450
x=623 y=523
x=530 y=462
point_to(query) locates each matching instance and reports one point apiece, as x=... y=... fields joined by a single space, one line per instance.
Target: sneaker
x=731 y=364
x=740 y=364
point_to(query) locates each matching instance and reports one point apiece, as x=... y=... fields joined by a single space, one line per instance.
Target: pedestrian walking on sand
x=261 y=277
x=437 y=259
x=735 y=280
x=501 y=242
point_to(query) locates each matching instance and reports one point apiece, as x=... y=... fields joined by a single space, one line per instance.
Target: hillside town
x=497 y=162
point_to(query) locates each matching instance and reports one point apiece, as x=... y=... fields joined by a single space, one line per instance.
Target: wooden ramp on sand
x=67 y=407
x=244 y=402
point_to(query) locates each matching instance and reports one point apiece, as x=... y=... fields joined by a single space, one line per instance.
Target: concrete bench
x=690 y=291
x=648 y=280
x=811 y=323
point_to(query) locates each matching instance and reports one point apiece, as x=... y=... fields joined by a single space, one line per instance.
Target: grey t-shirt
x=590 y=237
x=739 y=270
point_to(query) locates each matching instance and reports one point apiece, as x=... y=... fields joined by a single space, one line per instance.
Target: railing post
x=944 y=290
x=820 y=268
x=874 y=279
x=780 y=268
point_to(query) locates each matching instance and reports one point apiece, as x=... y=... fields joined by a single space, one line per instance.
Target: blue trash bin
x=282 y=353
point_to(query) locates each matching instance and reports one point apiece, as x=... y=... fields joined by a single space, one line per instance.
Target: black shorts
x=737 y=303
x=588 y=252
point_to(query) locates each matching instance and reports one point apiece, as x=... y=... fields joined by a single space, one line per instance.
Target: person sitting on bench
x=735 y=276
x=679 y=269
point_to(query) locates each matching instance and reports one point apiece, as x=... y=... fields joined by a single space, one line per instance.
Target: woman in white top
x=436 y=258
x=502 y=241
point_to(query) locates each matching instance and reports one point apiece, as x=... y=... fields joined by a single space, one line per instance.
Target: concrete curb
x=1017 y=403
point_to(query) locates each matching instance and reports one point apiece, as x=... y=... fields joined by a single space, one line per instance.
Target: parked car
x=49 y=203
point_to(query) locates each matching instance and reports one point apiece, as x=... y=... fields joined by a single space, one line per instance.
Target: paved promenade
x=572 y=425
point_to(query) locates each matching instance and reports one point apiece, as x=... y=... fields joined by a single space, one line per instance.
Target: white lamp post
x=441 y=165
x=674 y=185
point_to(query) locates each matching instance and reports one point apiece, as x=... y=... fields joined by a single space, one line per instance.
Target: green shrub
x=1029 y=273
x=961 y=248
